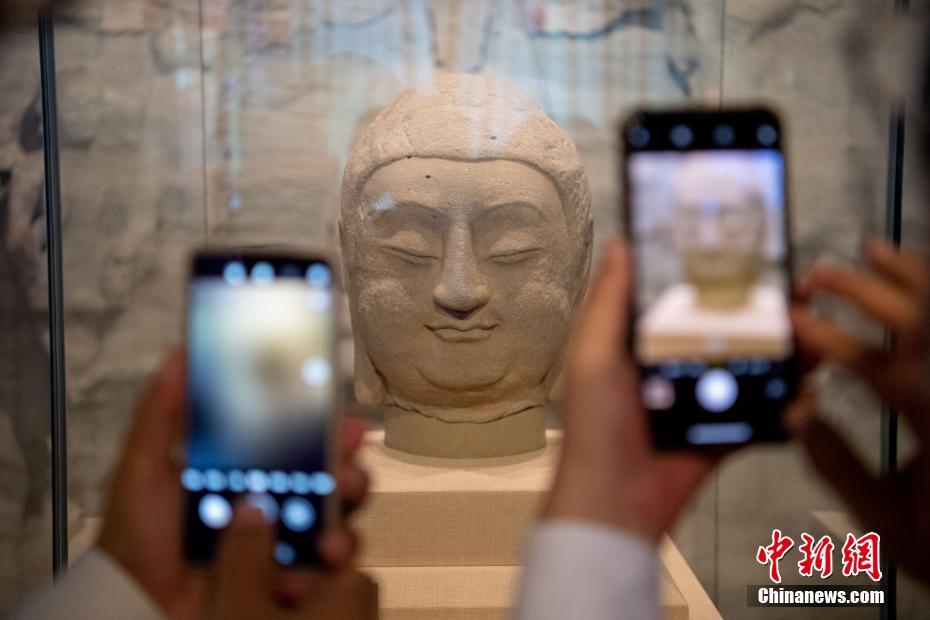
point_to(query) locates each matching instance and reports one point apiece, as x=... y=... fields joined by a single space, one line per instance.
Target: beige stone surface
x=414 y=433
x=677 y=571
x=678 y=326
x=484 y=592
x=425 y=511
x=466 y=239
x=443 y=537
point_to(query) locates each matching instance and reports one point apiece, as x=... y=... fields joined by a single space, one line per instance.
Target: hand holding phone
x=245 y=568
x=143 y=528
x=609 y=471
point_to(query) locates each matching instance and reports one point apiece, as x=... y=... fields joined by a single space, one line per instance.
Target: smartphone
x=706 y=211
x=262 y=399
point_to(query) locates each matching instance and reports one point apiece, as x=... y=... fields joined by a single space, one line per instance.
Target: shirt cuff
x=94 y=587
x=576 y=569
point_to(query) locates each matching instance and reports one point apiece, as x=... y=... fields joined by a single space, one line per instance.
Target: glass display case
x=189 y=122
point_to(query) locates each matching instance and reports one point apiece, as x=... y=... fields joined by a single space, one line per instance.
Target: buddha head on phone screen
x=720 y=230
x=466 y=239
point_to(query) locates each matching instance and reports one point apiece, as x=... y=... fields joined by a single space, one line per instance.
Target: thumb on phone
x=244 y=567
x=348 y=594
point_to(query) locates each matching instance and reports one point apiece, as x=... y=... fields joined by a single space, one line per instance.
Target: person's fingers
x=197 y=589
x=898 y=381
x=879 y=299
x=800 y=413
x=244 y=567
x=835 y=460
x=903 y=385
x=351 y=480
x=602 y=326
x=351 y=436
x=810 y=357
x=908 y=270
x=681 y=474
x=158 y=416
x=292 y=586
x=338 y=547
x=352 y=483
x=829 y=342
x=348 y=594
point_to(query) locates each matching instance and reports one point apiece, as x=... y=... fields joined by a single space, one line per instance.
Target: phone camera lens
x=724 y=135
x=681 y=136
x=766 y=135
x=638 y=137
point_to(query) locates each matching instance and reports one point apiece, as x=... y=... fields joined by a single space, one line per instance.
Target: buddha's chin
x=479 y=413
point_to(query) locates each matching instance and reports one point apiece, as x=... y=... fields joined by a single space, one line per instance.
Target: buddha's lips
x=463 y=333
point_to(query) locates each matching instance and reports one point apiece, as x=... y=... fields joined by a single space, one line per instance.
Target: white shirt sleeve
x=95 y=587
x=574 y=569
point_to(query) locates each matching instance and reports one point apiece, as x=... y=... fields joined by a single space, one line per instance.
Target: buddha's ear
x=556 y=385
x=344 y=262
x=585 y=271
x=369 y=390
x=368 y=387
x=553 y=379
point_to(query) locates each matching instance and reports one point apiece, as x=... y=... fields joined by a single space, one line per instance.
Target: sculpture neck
x=723 y=296
x=409 y=431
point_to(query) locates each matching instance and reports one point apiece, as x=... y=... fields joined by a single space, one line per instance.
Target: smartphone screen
x=705 y=202
x=261 y=398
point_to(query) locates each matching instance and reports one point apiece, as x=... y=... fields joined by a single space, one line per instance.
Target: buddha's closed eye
x=412 y=246
x=417 y=256
x=514 y=255
x=514 y=246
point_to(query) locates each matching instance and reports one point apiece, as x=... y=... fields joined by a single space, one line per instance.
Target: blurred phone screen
x=261 y=398
x=705 y=197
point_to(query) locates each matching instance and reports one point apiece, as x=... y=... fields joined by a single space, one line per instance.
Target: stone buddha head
x=720 y=230
x=466 y=240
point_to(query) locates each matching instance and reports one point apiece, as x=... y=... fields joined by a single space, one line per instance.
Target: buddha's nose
x=461 y=289
x=707 y=234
